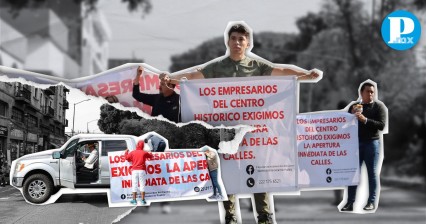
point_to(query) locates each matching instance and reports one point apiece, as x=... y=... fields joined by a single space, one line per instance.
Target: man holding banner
x=238 y=64
x=165 y=103
x=371 y=117
x=213 y=168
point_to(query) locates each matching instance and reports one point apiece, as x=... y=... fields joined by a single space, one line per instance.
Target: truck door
x=67 y=166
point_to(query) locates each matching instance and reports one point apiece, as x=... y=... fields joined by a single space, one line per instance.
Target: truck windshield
x=70 y=149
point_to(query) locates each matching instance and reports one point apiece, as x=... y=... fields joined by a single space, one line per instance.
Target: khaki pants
x=261 y=201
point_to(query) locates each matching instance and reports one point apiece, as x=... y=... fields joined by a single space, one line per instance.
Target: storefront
x=31 y=143
x=16 y=145
x=56 y=142
x=40 y=144
x=3 y=141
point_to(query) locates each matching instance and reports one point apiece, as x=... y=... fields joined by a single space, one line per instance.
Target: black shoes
x=369 y=206
x=264 y=219
x=230 y=220
x=348 y=207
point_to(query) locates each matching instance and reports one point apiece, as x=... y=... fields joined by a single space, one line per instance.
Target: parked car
x=42 y=174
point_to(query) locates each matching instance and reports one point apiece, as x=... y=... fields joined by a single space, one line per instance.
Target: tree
x=308 y=26
x=207 y=51
x=420 y=4
x=190 y=136
x=110 y=119
x=326 y=52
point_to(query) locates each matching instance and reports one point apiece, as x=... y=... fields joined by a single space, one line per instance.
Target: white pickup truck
x=43 y=173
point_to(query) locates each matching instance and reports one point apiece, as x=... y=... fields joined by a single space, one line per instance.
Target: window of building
x=17 y=114
x=112 y=146
x=3 y=108
x=32 y=121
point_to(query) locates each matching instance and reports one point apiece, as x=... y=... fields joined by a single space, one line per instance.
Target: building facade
x=31 y=119
x=13 y=46
x=60 y=39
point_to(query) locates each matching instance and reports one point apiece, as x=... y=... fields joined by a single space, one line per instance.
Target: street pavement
x=67 y=209
x=397 y=205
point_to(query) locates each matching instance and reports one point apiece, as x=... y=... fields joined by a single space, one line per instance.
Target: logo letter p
x=395 y=28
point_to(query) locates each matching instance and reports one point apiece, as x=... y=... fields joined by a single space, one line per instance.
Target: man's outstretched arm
x=189 y=75
x=300 y=73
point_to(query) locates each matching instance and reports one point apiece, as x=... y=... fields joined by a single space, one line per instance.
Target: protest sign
x=119 y=83
x=170 y=175
x=266 y=159
x=327 y=146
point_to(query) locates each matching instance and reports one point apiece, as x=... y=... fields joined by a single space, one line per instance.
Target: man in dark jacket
x=165 y=103
x=371 y=120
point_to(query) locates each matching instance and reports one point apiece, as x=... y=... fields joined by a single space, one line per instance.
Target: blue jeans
x=369 y=154
x=213 y=177
x=161 y=147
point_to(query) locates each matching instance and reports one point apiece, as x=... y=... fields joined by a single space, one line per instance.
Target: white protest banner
x=266 y=159
x=327 y=146
x=119 y=83
x=170 y=175
x=116 y=82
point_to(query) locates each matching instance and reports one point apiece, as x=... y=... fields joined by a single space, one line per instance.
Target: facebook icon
x=250 y=169
x=401 y=30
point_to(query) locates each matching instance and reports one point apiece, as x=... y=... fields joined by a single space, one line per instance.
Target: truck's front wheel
x=38 y=188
